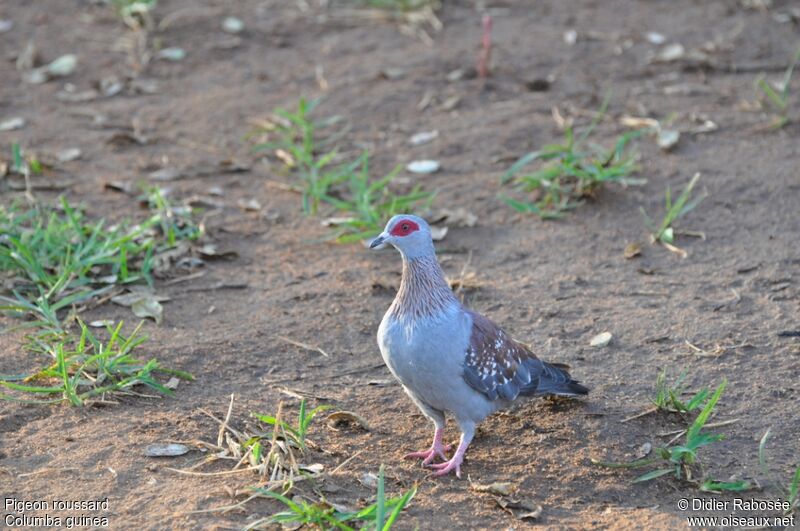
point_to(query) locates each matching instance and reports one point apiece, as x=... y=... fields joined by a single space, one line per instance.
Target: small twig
x=232 y=430
x=642 y=414
x=303 y=345
x=274 y=441
x=185 y=278
x=345 y=462
x=302 y=394
x=218 y=286
x=209 y=474
x=692 y=233
x=358 y=370
x=485 y=55
x=677 y=250
x=197 y=12
x=283 y=186
x=679 y=433
x=224 y=425
x=224 y=508
x=47 y=471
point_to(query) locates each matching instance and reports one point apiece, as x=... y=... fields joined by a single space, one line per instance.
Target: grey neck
x=423 y=292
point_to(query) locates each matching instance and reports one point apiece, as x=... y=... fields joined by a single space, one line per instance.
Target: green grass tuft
x=297 y=433
x=681 y=460
x=134 y=13
x=791 y=492
x=668 y=397
x=83 y=367
x=398 y=5
x=569 y=173
x=55 y=258
x=665 y=233
x=325 y=516
x=779 y=100
x=58 y=257
x=362 y=203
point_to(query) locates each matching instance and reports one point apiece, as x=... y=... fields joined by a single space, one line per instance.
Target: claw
x=455 y=462
x=429 y=455
x=445 y=468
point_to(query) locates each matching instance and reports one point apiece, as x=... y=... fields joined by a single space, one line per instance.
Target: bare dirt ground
x=552 y=284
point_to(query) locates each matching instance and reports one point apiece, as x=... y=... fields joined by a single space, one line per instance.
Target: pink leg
x=458 y=458
x=437 y=448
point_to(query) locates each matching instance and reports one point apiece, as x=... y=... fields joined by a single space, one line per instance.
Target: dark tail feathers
x=555 y=380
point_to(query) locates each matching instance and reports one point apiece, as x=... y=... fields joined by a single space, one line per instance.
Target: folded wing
x=500 y=367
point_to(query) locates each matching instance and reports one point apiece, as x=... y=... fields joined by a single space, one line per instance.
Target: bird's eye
x=404 y=227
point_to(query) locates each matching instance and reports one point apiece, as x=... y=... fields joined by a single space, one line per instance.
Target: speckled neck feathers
x=423 y=292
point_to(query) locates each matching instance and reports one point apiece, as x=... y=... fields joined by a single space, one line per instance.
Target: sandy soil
x=552 y=284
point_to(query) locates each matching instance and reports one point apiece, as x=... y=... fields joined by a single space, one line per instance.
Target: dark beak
x=376 y=242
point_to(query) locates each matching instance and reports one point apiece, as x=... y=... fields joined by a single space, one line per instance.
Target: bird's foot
x=429 y=455
x=445 y=468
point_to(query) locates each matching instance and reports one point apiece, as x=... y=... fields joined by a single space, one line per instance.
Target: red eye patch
x=404 y=227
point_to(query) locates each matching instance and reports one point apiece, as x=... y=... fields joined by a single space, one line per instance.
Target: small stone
x=423 y=137
x=172 y=54
x=12 y=123
x=63 y=66
x=68 y=155
x=232 y=25
x=423 y=166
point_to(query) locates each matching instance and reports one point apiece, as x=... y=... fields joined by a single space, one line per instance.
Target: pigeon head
x=411 y=235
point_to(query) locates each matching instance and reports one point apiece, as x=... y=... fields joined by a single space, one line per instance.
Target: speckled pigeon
x=449 y=358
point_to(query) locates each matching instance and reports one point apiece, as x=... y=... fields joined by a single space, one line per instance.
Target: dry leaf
x=171 y=54
x=148 y=307
x=438 y=233
x=644 y=450
x=143 y=303
x=285 y=157
x=458 y=217
x=639 y=122
x=316 y=468
x=369 y=479
x=165 y=174
x=232 y=25
x=677 y=250
x=450 y=103
x=165 y=450
x=521 y=509
x=251 y=205
x=601 y=340
x=392 y=74
x=632 y=250
x=423 y=137
x=12 y=123
x=346 y=419
x=670 y=52
x=69 y=154
x=501 y=488
x=423 y=166
x=667 y=138
x=336 y=221
x=210 y=250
